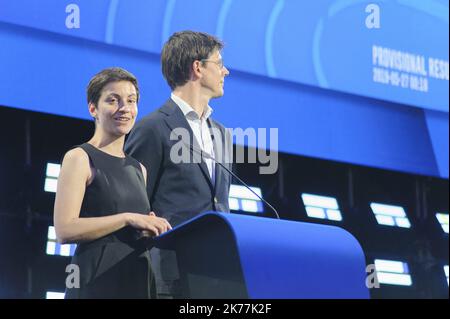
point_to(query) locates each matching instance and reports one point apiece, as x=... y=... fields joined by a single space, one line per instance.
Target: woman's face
x=116 y=109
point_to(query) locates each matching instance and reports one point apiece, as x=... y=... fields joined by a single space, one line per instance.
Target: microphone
x=209 y=156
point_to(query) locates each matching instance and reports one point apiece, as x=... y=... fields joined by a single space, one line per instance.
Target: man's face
x=214 y=75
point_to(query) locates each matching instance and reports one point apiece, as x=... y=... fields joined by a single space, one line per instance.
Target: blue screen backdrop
x=335 y=81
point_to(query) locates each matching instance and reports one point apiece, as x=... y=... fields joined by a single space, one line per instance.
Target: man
x=192 y=66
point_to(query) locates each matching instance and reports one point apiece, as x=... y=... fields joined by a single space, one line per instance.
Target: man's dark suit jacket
x=181 y=191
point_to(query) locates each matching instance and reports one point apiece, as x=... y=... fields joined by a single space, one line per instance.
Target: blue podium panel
x=236 y=256
x=286 y=259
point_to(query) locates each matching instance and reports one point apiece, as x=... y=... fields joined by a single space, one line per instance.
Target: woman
x=101 y=202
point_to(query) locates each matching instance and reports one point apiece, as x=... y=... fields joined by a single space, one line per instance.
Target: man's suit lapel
x=175 y=119
x=218 y=150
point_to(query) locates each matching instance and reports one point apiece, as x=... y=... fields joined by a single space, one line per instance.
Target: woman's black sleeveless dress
x=116 y=265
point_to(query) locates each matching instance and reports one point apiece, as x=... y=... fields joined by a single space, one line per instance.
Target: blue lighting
x=51 y=179
x=240 y=198
x=443 y=220
x=54 y=248
x=54 y=295
x=391 y=272
x=390 y=215
x=321 y=207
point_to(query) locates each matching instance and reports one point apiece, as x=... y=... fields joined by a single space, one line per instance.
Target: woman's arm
x=72 y=181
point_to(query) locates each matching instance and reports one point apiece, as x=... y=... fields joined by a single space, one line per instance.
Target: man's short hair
x=181 y=50
x=101 y=79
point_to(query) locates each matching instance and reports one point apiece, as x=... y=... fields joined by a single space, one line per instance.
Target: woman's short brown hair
x=98 y=82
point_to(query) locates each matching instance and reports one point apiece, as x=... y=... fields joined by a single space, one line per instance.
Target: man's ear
x=92 y=110
x=196 y=70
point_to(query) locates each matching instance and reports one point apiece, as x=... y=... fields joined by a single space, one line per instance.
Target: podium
x=223 y=255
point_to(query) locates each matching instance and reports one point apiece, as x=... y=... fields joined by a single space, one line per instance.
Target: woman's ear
x=92 y=110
